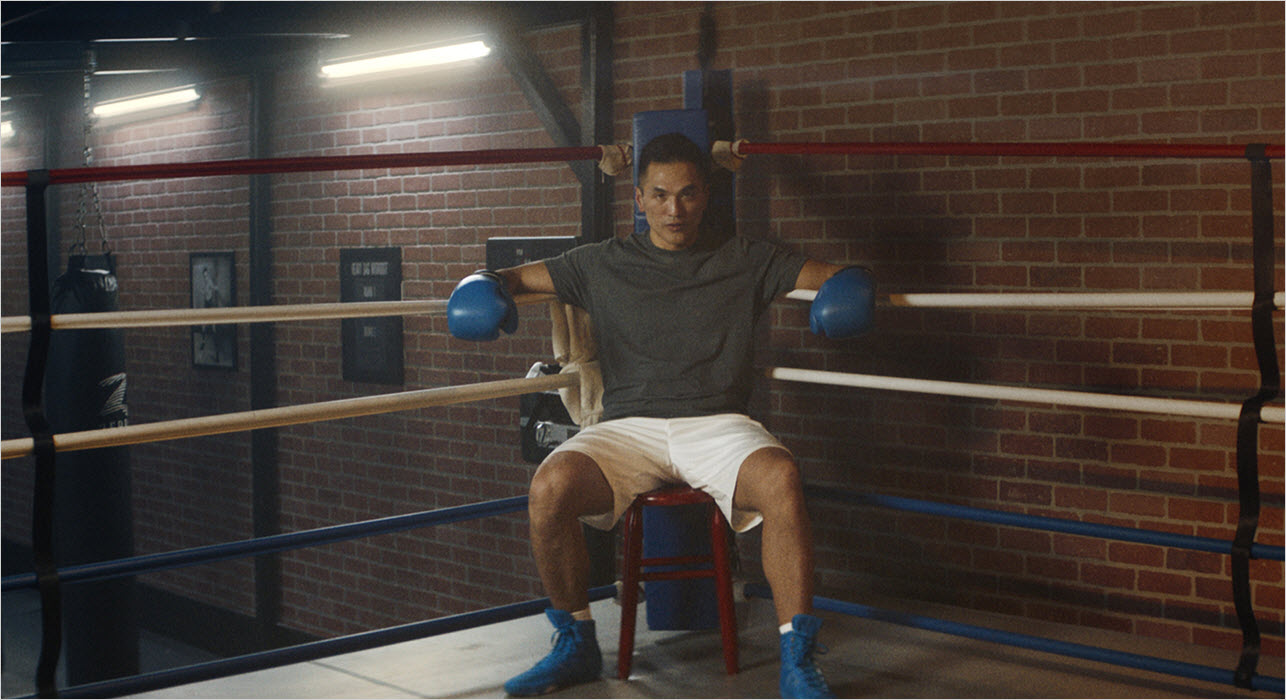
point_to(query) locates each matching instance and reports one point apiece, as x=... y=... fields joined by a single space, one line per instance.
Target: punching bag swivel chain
x=89 y=190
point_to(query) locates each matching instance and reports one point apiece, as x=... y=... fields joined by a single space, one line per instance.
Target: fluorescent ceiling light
x=403 y=62
x=135 y=71
x=6 y=130
x=136 y=40
x=146 y=103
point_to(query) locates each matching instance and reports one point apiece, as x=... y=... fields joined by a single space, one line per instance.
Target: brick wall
x=1158 y=72
x=339 y=472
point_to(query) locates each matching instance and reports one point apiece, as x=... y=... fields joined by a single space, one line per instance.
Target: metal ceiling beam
x=541 y=92
x=25 y=22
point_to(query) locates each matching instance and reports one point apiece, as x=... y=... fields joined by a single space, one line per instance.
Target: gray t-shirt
x=675 y=329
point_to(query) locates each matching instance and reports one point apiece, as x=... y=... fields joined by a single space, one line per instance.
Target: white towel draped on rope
x=576 y=350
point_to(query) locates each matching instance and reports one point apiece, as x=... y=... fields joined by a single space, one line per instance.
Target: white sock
x=582 y=615
x=788 y=627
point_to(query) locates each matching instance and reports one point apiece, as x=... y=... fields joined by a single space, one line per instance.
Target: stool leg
x=632 y=541
x=723 y=589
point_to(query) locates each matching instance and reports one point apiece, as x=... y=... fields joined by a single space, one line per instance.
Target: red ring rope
x=307 y=164
x=1136 y=150
x=546 y=155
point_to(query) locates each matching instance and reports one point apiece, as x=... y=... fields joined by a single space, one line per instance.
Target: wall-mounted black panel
x=505 y=252
x=372 y=346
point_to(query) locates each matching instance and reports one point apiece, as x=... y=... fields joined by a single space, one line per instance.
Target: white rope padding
x=616 y=158
x=728 y=155
x=242 y=314
x=1174 y=301
x=291 y=415
x=1141 y=404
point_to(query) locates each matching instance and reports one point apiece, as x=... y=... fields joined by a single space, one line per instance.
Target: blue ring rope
x=1027 y=641
x=1040 y=522
x=276 y=543
x=151 y=563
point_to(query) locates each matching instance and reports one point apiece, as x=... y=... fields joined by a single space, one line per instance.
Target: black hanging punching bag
x=93 y=515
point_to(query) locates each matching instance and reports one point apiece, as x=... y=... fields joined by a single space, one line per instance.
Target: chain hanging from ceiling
x=89 y=198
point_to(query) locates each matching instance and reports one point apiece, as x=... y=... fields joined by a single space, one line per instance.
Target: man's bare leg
x=769 y=482
x=566 y=486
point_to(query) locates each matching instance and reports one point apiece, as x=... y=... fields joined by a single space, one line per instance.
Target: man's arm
x=814 y=273
x=532 y=278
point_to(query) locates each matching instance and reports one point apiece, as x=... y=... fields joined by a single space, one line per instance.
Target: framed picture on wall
x=213 y=282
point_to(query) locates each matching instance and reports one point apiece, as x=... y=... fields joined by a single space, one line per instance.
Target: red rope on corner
x=550 y=155
x=1134 y=150
x=307 y=164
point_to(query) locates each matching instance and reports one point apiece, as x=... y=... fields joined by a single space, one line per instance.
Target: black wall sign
x=372 y=346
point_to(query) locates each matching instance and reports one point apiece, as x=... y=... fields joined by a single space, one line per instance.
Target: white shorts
x=641 y=454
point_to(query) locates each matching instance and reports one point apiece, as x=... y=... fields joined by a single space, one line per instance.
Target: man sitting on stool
x=674 y=313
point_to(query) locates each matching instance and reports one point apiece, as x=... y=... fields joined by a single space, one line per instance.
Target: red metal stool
x=633 y=562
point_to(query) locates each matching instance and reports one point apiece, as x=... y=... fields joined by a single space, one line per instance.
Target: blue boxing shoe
x=800 y=677
x=574 y=659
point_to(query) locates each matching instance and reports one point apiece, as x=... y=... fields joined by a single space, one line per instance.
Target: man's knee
x=567 y=484
x=769 y=477
x=777 y=467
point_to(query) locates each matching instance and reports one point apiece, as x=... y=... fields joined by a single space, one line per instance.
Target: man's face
x=673 y=197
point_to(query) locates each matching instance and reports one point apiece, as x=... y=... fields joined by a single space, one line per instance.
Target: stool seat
x=633 y=562
x=674 y=496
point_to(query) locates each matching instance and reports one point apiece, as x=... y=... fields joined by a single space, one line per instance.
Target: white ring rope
x=1073 y=300
x=292 y=415
x=225 y=314
x=242 y=314
x=1141 y=404
x=369 y=309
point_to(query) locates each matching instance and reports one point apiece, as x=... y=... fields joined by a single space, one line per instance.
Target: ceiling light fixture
x=6 y=130
x=402 y=63
x=136 y=40
x=151 y=104
x=135 y=71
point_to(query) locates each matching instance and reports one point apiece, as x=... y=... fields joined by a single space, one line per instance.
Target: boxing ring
x=1262 y=302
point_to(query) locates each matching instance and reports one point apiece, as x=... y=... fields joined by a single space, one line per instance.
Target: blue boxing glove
x=480 y=306
x=845 y=305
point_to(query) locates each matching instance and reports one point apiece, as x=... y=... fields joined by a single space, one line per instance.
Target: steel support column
x=596 y=103
x=265 y=487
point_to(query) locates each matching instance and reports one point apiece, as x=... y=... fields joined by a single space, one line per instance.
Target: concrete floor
x=866 y=659
x=20 y=641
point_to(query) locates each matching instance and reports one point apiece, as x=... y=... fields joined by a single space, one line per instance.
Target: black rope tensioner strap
x=1261 y=319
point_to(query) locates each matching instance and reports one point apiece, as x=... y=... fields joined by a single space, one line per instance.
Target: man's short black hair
x=674 y=148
